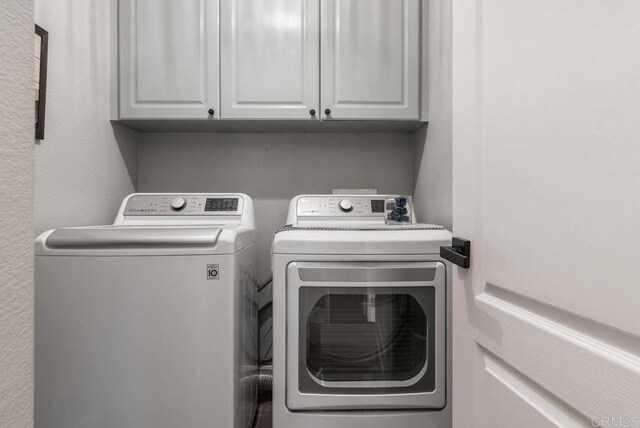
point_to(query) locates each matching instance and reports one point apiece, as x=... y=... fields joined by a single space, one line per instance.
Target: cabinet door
x=168 y=58
x=370 y=59
x=269 y=59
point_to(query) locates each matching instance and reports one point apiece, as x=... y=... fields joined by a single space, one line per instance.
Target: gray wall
x=432 y=147
x=272 y=168
x=84 y=167
x=16 y=211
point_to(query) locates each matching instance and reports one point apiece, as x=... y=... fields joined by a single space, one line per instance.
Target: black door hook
x=459 y=253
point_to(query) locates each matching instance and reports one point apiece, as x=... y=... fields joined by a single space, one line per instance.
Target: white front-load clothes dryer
x=361 y=310
x=150 y=322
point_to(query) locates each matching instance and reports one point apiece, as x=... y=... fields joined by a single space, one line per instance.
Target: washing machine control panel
x=341 y=206
x=184 y=205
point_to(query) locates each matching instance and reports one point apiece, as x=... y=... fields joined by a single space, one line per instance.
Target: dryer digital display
x=377 y=205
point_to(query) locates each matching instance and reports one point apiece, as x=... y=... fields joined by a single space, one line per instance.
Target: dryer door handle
x=459 y=253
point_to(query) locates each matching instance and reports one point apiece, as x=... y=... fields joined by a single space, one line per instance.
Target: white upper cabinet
x=168 y=59
x=270 y=59
x=370 y=59
x=267 y=59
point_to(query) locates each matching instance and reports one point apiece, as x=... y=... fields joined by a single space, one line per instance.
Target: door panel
x=545 y=184
x=573 y=359
x=520 y=397
x=370 y=59
x=270 y=59
x=168 y=58
x=560 y=120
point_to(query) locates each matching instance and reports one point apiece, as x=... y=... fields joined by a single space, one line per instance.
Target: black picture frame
x=41 y=101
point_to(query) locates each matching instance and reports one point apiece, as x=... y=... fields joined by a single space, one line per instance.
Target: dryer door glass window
x=355 y=338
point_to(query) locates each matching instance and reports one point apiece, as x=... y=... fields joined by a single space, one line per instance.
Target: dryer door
x=364 y=335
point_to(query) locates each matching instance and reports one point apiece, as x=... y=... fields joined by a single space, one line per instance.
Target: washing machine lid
x=145 y=240
x=414 y=239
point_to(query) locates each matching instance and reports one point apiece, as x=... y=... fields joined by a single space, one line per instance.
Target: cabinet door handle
x=211 y=112
x=459 y=253
x=327 y=112
x=312 y=112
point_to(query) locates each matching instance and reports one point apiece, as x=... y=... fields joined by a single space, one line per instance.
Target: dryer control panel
x=365 y=208
x=341 y=205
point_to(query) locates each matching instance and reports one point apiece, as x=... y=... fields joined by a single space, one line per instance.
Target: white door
x=546 y=177
x=270 y=59
x=370 y=59
x=168 y=59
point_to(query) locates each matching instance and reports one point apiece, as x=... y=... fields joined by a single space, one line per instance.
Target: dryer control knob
x=178 y=204
x=346 y=206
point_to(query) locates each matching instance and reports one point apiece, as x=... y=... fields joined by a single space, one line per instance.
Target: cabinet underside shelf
x=273 y=126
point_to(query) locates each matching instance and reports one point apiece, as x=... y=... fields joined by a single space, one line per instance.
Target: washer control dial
x=345 y=205
x=178 y=204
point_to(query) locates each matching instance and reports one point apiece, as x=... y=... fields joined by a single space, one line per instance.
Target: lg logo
x=213 y=272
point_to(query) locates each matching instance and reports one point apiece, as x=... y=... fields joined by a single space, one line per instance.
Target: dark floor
x=263 y=416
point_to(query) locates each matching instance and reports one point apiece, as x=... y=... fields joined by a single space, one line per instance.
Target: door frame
x=467 y=172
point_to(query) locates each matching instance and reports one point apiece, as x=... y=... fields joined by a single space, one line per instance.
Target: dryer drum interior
x=366 y=340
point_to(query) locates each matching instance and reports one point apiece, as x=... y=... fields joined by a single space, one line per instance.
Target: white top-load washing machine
x=360 y=317
x=150 y=322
